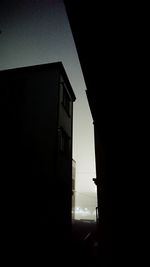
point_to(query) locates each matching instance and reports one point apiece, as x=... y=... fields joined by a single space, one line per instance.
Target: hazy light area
x=38 y=32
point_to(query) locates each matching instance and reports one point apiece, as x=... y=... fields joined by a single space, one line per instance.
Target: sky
x=37 y=32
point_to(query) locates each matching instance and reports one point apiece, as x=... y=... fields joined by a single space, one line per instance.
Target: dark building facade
x=94 y=31
x=36 y=145
x=73 y=187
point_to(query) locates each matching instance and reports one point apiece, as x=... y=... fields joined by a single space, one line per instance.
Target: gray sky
x=37 y=32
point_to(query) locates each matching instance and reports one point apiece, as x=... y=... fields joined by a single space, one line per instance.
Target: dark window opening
x=66 y=99
x=64 y=142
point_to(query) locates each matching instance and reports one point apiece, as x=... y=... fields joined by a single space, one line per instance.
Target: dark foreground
x=34 y=246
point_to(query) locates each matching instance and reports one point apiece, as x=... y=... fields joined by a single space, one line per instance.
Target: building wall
x=36 y=177
x=73 y=187
x=29 y=102
x=64 y=162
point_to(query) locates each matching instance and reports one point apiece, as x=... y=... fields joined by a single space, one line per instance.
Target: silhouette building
x=73 y=187
x=36 y=144
x=99 y=44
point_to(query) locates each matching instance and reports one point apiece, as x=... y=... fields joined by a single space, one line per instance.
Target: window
x=65 y=99
x=63 y=142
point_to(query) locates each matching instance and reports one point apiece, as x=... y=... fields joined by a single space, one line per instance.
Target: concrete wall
x=64 y=162
x=29 y=102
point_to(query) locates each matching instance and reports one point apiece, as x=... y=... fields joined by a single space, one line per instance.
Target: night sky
x=37 y=32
